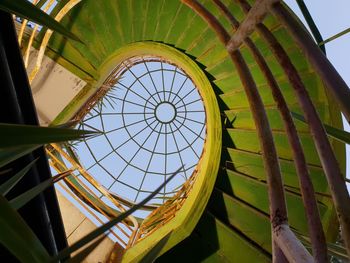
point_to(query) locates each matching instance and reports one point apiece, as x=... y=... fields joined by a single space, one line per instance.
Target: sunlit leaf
x=71 y=153
x=69 y=124
x=10 y=183
x=335 y=133
x=18 y=238
x=25 y=9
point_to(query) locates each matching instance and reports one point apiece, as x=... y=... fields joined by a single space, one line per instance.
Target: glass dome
x=151 y=121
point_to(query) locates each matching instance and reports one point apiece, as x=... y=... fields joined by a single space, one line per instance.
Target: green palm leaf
x=7 y=155
x=12 y=135
x=24 y=198
x=335 y=133
x=18 y=238
x=9 y=184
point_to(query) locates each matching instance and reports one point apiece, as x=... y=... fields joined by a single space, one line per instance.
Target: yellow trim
x=187 y=217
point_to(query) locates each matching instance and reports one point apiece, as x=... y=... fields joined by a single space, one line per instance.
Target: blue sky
x=144 y=140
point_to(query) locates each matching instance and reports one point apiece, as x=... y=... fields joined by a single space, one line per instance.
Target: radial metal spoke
x=149 y=163
x=130 y=124
x=165 y=157
x=161 y=67
x=132 y=137
x=129 y=89
x=95 y=159
x=125 y=113
x=138 y=150
x=134 y=108
x=187 y=95
x=172 y=84
x=150 y=75
x=194 y=101
x=129 y=69
x=202 y=123
x=128 y=101
x=178 y=151
x=91 y=117
x=189 y=144
x=198 y=135
x=178 y=91
x=186 y=111
x=115 y=149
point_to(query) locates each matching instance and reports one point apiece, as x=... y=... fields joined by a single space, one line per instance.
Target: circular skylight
x=152 y=121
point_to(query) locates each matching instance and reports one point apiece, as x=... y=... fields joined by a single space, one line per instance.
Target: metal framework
x=60 y=160
x=46 y=6
x=157 y=116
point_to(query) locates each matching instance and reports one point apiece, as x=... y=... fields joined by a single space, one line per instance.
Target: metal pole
x=278 y=210
x=334 y=82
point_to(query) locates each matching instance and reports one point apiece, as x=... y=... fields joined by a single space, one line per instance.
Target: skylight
x=151 y=121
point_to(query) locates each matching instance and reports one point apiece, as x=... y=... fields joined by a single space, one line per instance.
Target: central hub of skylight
x=165 y=112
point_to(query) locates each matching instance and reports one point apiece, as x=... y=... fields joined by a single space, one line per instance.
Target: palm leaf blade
x=8 y=155
x=17 y=237
x=9 y=184
x=335 y=133
x=24 y=198
x=12 y=135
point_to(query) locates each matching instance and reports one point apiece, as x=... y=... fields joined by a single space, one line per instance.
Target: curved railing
x=47 y=6
x=83 y=185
